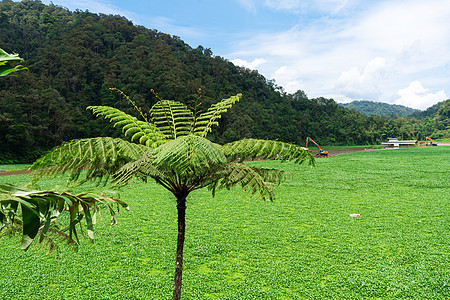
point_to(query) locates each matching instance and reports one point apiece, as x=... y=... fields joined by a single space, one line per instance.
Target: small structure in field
x=393 y=142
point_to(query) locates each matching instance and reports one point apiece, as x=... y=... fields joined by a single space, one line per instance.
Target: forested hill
x=432 y=111
x=75 y=57
x=369 y=108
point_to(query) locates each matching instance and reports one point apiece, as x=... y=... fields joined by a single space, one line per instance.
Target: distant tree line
x=391 y=111
x=75 y=57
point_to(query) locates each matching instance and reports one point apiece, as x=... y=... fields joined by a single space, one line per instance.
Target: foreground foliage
x=304 y=245
x=170 y=147
x=40 y=209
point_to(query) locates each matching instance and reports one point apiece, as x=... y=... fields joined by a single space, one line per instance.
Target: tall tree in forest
x=171 y=147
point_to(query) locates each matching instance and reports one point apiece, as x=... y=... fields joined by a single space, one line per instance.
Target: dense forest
x=74 y=58
x=369 y=108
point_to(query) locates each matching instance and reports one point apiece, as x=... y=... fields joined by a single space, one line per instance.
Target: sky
x=393 y=51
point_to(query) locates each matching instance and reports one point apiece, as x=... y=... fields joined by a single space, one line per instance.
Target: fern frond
x=188 y=162
x=204 y=122
x=253 y=148
x=138 y=109
x=271 y=176
x=98 y=157
x=188 y=154
x=143 y=168
x=132 y=169
x=251 y=180
x=172 y=118
x=140 y=131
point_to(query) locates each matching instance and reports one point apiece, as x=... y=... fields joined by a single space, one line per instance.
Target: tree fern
x=174 y=151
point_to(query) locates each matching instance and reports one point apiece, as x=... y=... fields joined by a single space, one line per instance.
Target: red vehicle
x=322 y=153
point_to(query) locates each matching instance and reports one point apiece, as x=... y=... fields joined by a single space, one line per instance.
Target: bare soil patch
x=335 y=152
x=14 y=172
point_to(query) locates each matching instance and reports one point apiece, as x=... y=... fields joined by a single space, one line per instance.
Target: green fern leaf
x=188 y=154
x=253 y=148
x=252 y=180
x=190 y=159
x=206 y=120
x=172 y=118
x=131 y=125
x=98 y=157
x=140 y=168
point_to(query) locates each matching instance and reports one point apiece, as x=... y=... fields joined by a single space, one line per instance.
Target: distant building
x=393 y=142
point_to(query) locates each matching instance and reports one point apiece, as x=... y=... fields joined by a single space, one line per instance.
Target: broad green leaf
x=89 y=222
x=5 y=67
x=41 y=208
x=31 y=224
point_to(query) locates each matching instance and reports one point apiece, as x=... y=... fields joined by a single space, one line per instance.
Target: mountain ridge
x=382 y=109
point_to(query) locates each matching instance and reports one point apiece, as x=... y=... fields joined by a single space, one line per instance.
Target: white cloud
x=284 y=4
x=416 y=96
x=286 y=73
x=250 y=65
x=248 y=5
x=304 y=6
x=362 y=83
x=392 y=25
x=380 y=49
x=289 y=76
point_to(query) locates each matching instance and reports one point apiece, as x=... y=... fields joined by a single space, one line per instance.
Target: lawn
x=13 y=167
x=304 y=245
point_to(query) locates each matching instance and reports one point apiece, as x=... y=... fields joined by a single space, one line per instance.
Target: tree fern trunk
x=181 y=207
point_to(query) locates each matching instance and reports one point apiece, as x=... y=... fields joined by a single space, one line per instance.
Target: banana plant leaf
x=5 y=67
x=39 y=209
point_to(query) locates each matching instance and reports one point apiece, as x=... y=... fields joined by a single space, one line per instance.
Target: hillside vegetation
x=75 y=57
x=369 y=108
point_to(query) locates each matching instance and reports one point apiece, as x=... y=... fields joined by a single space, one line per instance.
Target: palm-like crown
x=172 y=148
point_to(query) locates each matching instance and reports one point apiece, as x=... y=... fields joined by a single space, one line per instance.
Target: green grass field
x=304 y=245
x=13 y=167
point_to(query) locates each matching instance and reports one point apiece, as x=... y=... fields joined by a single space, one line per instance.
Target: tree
x=171 y=147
